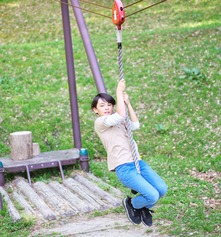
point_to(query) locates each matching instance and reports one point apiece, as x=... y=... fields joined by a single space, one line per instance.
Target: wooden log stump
x=21 y=145
x=36 y=149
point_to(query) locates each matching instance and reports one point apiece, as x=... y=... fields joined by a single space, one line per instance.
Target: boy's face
x=103 y=108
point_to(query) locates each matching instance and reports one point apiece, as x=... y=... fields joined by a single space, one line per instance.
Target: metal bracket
x=118 y=14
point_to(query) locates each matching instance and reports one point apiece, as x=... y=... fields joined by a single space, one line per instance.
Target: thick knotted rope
x=127 y=121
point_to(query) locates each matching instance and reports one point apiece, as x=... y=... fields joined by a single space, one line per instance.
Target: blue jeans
x=148 y=183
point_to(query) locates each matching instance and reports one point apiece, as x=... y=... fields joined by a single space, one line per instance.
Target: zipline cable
x=146 y=8
x=95 y=4
x=84 y=9
x=133 y=4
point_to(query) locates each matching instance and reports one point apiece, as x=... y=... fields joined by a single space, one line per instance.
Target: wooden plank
x=23 y=203
x=108 y=187
x=98 y=191
x=35 y=199
x=85 y=194
x=51 y=156
x=10 y=206
x=54 y=200
x=72 y=198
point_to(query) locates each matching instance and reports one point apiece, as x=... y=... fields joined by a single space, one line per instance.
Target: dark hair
x=103 y=96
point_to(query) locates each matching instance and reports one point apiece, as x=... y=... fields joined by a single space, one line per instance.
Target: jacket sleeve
x=135 y=125
x=113 y=120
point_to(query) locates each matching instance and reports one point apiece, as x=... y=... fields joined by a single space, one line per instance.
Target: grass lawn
x=172 y=66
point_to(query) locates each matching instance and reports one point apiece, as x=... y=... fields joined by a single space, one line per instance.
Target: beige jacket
x=114 y=137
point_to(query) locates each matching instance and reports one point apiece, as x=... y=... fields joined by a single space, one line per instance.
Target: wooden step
x=53 y=200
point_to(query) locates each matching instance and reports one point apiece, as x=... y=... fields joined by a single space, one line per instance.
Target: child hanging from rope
x=111 y=130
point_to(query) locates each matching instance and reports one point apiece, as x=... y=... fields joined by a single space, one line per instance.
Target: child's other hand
x=126 y=98
x=121 y=85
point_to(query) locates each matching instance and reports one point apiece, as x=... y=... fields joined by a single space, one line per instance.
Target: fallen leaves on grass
x=214 y=178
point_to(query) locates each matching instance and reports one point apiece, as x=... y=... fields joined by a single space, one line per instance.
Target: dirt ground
x=111 y=225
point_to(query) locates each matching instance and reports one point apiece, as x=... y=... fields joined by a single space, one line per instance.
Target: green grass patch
x=9 y=228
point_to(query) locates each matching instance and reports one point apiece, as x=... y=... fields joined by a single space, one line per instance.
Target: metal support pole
x=28 y=174
x=71 y=74
x=89 y=48
x=61 y=170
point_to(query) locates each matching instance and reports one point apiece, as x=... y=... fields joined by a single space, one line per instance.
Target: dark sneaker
x=133 y=191
x=146 y=216
x=132 y=213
